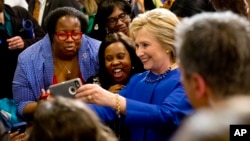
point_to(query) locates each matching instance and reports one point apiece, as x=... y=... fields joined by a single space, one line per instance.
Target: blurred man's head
x=214 y=55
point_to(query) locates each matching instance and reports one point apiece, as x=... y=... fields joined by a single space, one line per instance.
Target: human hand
x=93 y=93
x=15 y=136
x=15 y=43
x=116 y=88
x=44 y=95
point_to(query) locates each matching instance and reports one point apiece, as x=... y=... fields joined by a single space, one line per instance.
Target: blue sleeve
x=106 y=114
x=168 y=113
x=22 y=92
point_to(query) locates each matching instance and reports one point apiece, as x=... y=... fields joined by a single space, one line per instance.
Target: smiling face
x=151 y=52
x=69 y=47
x=120 y=21
x=117 y=62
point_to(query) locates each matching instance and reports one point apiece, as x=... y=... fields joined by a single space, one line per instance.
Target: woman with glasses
x=112 y=16
x=63 y=54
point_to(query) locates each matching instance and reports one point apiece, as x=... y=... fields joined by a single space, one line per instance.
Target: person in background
x=14 y=38
x=12 y=3
x=117 y=64
x=168 y=4
x=89 y=8
x=59 y=119
x=63 y=54
x=41 y=8
x=248 y=2
x=214 y=124
x=153 y=103
x=188 y=8
x=240 y=7
x=221 y=69
x=5 y=135
x=112 y=16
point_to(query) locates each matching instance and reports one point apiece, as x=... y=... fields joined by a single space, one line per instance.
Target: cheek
x=78 y=43
x=108 y=67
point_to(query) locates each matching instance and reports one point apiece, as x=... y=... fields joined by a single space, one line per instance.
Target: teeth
x=117 y=70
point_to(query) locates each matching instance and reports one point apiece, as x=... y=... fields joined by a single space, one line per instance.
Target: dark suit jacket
x=8 y=58
x=51 y=5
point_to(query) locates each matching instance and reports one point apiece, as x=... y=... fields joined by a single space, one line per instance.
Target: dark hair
x=136 y=63
x=105 y=8
x=65 y=119
x=220 y=53
x=53 y=17
x=1 y=5
x=236 y=6
x=188 y=8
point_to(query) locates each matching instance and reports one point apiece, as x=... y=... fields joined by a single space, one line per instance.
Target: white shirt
x=21 y=3
x=42 y=7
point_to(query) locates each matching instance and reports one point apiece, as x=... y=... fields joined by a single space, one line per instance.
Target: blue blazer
x=154 y=110
x=35 y=69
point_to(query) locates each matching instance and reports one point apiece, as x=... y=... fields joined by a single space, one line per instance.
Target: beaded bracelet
x=118 y=105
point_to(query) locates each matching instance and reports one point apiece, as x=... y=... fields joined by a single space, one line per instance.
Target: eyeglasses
x=113 y=21
x=64 y=36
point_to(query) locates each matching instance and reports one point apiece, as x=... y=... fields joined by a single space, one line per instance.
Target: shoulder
x=92 y=43
x=92 y=40
x=37 y=49
x=139 y=76
x=18 y=9
x=20 y=12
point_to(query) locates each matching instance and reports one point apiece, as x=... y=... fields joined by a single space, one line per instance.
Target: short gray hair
x=217 y=46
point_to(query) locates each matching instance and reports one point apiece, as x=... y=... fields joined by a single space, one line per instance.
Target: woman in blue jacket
x=153 y=103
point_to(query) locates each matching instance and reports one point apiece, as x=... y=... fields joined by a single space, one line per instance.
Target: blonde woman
x=153 y=103
x=89 y=8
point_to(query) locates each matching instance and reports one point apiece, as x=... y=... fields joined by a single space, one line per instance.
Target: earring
x=107 y=31
x=167 y=51
x=133 y=67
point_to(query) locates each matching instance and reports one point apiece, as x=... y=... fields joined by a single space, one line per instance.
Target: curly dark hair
x=53 y=17
x=136 y=63
x=236 y=6
x=188 y=8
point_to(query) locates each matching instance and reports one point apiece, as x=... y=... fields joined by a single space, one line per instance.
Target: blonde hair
x=161 y=23
x=90 y=6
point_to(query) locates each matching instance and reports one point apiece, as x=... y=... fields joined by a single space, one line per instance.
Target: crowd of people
x=151 y=69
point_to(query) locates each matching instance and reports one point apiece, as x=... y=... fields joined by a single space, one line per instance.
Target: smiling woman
x=118 y=63
x=152 y=109
x=115 y=59
x=112 y=16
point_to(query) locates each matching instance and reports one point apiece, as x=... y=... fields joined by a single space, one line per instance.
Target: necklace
x=66 y=68
x=159 y=77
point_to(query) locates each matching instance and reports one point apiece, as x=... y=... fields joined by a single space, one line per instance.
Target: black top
x=8 y=58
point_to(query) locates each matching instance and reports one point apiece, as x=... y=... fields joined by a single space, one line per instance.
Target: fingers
x=17 y=137
x=116 y=88
x=87 y=93
x=44 y=95
x=15 y=43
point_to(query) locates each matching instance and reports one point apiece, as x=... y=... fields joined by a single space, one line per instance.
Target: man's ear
x=199 y=86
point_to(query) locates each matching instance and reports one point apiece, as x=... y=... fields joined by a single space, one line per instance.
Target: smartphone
x=67 y=88
x=20 y=127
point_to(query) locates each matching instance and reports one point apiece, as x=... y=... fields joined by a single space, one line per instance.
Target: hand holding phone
x=66 y=88
x=19 y=127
